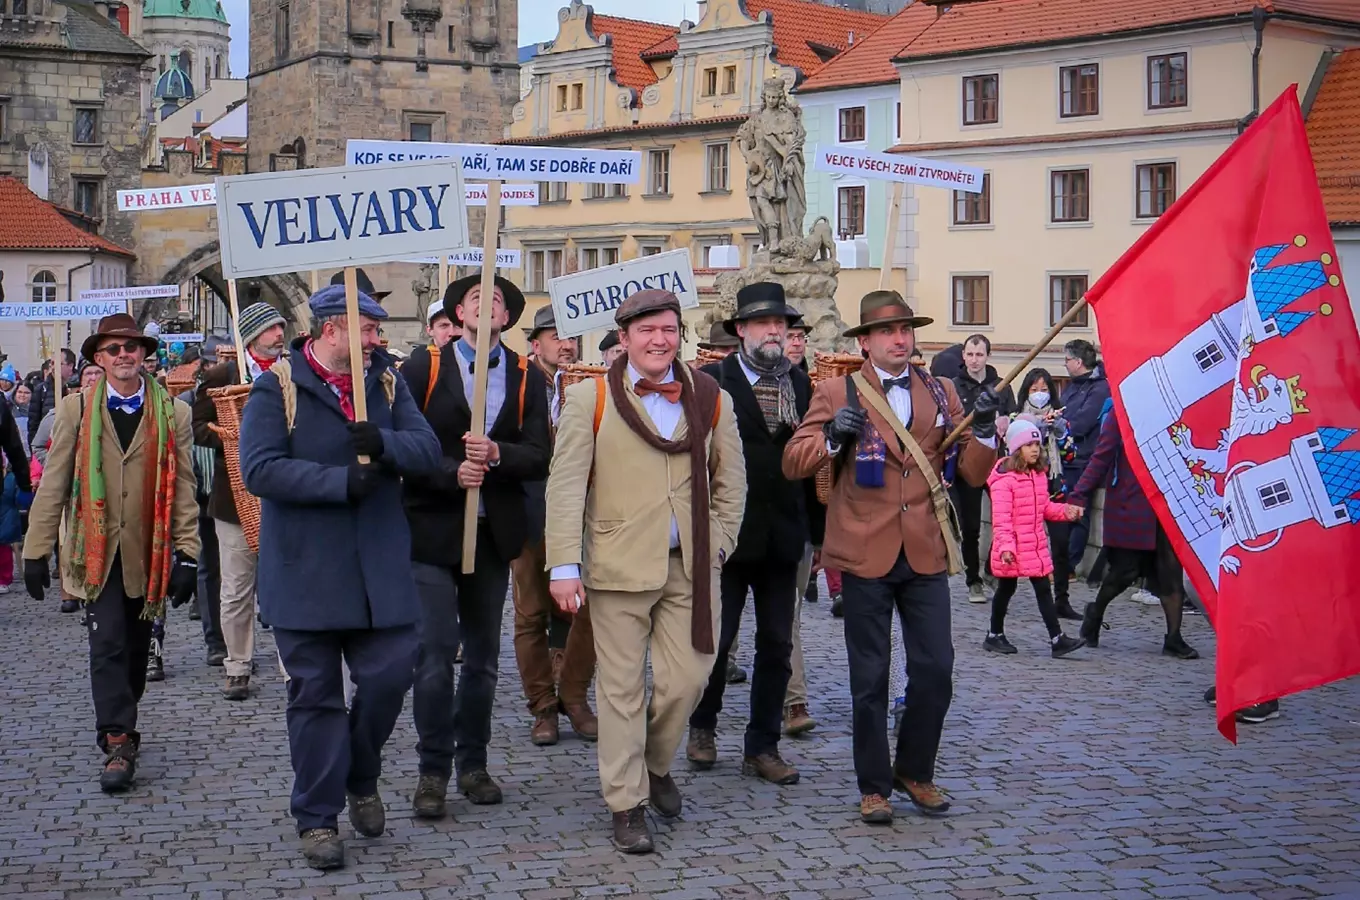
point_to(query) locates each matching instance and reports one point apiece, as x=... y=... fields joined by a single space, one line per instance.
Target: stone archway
x=287 y=291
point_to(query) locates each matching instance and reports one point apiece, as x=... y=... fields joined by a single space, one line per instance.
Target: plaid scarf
x=773 y=390
x=89 y=501
x=340 y=381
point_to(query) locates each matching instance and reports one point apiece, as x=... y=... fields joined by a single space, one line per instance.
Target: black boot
x=155 y=663
x=1090 y=625
x=1065 y=610
x=1175 y=645
x=120 y=766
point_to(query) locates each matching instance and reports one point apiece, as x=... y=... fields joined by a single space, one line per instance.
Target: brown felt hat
x=117 y=325
x=644 y=303
x=719 y=338
x=544 y=319
x=884 y=308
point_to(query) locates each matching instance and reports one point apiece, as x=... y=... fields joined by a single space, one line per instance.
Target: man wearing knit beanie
x=262 y=333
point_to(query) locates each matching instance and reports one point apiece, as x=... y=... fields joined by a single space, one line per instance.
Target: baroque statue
x=772 y=142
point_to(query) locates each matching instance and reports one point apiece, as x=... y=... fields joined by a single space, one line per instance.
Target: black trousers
x=1059 y=534
x=922 y=603
x=209 y=592
x=120 y=642
x=773 y=585
x=1001 y=601
x=968 y=502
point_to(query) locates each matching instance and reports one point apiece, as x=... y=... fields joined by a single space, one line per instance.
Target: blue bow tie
x=125 y=404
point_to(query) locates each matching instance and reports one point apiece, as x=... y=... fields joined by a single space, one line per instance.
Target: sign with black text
x=586 y=301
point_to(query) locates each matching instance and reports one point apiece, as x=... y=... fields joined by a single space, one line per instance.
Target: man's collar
x=634 y=376
x=751 y=374
x=884 y=376
x=141 y=390
x=469 y=352
x=980 y=379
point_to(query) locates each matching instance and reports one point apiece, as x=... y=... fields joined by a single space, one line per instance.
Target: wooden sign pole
x=356 y=353
x=490 y=239
x=242 y=367
x=890 y=237
x=315 y=277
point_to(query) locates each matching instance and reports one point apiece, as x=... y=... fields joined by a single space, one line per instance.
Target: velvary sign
x=897 y=167
x=507 y=163
x=586 y=300
x=337 y=217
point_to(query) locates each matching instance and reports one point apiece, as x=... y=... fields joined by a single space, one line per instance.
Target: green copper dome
x=184 y=9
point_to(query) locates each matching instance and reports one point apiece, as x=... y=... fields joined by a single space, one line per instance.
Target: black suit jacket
x=434 y=504
x=775 y=526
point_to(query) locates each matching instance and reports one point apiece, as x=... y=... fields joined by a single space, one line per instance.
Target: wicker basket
x=226 y=352
x=181 y=379
x=577 y=372
x=826 y=366
x=705 y=357
x=231 y=403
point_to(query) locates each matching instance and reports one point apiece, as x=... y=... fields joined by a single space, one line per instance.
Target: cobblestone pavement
x=1096 y=776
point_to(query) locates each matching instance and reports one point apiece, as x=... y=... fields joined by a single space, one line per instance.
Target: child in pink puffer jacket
x=1020 y=506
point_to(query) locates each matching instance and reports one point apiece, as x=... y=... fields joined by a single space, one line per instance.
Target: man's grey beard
x=268 y=352
x=766 y=354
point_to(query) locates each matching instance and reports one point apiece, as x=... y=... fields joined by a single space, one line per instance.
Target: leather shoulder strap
x=434 y=376
x=599 y=402
x=523 y=380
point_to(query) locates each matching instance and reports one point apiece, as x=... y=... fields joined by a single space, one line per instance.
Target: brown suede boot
x=583 y=720
x=544 y=730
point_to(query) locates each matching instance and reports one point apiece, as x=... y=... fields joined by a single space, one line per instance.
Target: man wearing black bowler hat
x=770 y=396
x=363 y=282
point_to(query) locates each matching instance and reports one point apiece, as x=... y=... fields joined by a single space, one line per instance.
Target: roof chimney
x=850 y=39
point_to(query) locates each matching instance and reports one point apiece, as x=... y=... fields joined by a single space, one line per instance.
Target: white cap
x=435 y=309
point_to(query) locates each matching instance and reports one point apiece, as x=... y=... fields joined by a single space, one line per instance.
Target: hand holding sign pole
x=480 y=369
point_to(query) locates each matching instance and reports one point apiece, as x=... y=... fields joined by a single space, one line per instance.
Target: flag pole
x=356 y=353
x=490 y=238
x=890 y=237
x=242 y=369
x=1047 y=339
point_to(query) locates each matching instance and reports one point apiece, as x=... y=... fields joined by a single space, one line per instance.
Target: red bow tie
x=670 y=390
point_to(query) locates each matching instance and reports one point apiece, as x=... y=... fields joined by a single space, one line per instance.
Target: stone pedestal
x=809 y=286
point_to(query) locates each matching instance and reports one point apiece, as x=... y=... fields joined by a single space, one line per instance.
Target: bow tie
x=903 y=382
x=494 y=361
x=670 y=390
x=125 y=404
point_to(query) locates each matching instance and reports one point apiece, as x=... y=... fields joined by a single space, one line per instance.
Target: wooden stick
x=490 y=238
x=315 y=277
x=1020 y=367
x=356 y=353
x=242 y=367
x=57 y=383
x=890 y=237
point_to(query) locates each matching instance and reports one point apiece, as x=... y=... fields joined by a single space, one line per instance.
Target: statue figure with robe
x=772 y=143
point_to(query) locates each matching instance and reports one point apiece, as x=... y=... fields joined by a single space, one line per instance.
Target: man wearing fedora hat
x=121 y=451
x=361 y=281
x=720 y=341
x=888 y=531
x=455 y=728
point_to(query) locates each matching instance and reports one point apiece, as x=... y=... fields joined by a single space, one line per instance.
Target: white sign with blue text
x=140 y=292
x=586 y=301
x=505 y=259
x=897 y=167
x=61 y=311
x=507 y=163
x=332 y=218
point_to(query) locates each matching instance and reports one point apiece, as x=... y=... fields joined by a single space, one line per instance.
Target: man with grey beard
x=770 y=397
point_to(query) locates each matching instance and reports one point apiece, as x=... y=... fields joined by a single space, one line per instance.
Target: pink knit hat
x=1021 y=433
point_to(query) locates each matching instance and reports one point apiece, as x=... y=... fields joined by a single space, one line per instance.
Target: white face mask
x=1039 y=399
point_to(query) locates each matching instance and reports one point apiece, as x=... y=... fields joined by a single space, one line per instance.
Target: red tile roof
x=31 y=223
x=628 y=38
x=1334 y=136
x=990 y=24
x=870 y=60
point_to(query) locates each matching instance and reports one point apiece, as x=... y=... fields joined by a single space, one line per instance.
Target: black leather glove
x=36 y=577
x=361 y=481
x=845 y=426
x=984 y=414
x=366 y=438
x=183 y=579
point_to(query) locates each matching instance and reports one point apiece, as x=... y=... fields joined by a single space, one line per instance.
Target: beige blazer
x=124 y=483
x=617 y=527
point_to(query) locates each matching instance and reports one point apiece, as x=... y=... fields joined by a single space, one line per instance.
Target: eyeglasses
x=128 y=347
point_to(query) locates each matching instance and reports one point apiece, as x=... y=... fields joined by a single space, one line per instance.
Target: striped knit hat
x=257 y=317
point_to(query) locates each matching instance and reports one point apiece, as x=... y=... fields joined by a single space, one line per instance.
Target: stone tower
x=191 y=35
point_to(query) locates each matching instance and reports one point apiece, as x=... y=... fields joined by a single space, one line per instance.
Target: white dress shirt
x=139 y=394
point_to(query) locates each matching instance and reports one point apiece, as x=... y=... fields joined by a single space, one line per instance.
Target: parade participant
x=795 y=345
x=977 y=376
x=797 y=719
x=440 y=325
x=719 y=342
x=45 y=392
x=119 y=467
x=362 y=282
x=769 y=399
x=646 y=534
x=334 y=577
x=555 y=678
x=207 y=607
x=610 y=347
x=262 y=332
x=887 y=530
x=455 y=729
x=1136 y=545
x=1084 y=396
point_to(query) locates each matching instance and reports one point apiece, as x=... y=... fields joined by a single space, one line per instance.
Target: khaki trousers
x=238 y=597
x=533 y=615
x=638 y=737
x=797 y=690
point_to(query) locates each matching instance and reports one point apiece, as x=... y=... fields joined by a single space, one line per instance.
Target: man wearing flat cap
x=646 y=532
x=610 y=346
x=334 y=576
x=888 y=530
x=455 y=728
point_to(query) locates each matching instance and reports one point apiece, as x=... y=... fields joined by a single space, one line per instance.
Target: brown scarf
x=698 y=399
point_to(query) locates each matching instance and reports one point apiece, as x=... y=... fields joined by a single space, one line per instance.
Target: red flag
x=1234 y=361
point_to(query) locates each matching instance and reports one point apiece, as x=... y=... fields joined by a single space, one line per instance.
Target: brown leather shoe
x=665 y=795
x=544 y=731
x=631 y=834
x=771 y=767
x=582 y=720
x=797 y=721
x=702 y=749
x=923 y=794
x=875 y=809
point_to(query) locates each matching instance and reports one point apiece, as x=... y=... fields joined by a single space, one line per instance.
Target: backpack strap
x=434 y=376
x=599 y=402
x=523 y=381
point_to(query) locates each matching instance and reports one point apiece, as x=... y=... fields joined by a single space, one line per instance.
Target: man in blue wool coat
x=334 y=576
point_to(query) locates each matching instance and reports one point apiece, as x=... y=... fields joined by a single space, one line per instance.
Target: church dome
x=184 y=9
x=174 y=83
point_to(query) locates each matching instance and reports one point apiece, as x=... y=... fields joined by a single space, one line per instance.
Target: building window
x=1208 y=356
x=595 y=191
x=609 y=256
x=850 y=212
x=390 y=26
x=561 y=98
x=980 y=93
x=87 y=126
x=1080 y=88
x=972 y=300
x=897 y=127
x=716 y=157
x=557 y=191
x=161 y=71
x=422 y=131
x=729 y=80
x=649 y=250
x=1167 y=85
x=207 y=71
x=974 y=209
x=1071 y=196
x=578 y=95
x=1156 y=189
x=4 y=118
x=86 y=197
x=1063 y=293
x=618 y=189
x=590 y=258
x=852 y=124
x=217 y=66
x=1273 y=495
x=544 y=265
x=710 y=85
x=283 y=26
x=21 y=7
x=44 y=287
x=658 y=171
x=450 y=38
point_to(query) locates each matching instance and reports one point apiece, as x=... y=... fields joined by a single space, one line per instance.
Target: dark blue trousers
x=335 y=750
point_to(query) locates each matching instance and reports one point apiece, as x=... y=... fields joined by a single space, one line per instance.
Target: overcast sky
x=537 y=20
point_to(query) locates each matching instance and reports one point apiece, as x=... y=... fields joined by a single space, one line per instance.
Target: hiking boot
x=797 y=720
x=665 y=795
x=70 y=606
x=997 y=643
x=1090 y=626
x=1065 y=645
x=1175 y=645
x=1261 y=712
x=120 y=765
x=543 y=733
x=582 y=719
x=366 y=814
x=977 y=593
x=810 y=595
x=322 y=848
x=702 y=749
x=1065 y=611
x=771 y=767
x=155 y=663
x=238 y=687
x=875 y=809
x=630 y=830
x=480 y=788
x=837 y=606
x=217 y=656
x=923 y=794
x=194 y=614
x=429 y=801
x=735 y=673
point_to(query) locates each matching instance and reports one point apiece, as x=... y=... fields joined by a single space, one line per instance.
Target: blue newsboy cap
x=330 y=301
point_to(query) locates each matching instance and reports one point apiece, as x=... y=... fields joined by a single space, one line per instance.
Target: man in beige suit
x=658 y=521
x=113 y=444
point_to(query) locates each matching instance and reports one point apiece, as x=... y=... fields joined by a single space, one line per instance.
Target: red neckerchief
x=341 y=382
x=264 y=362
